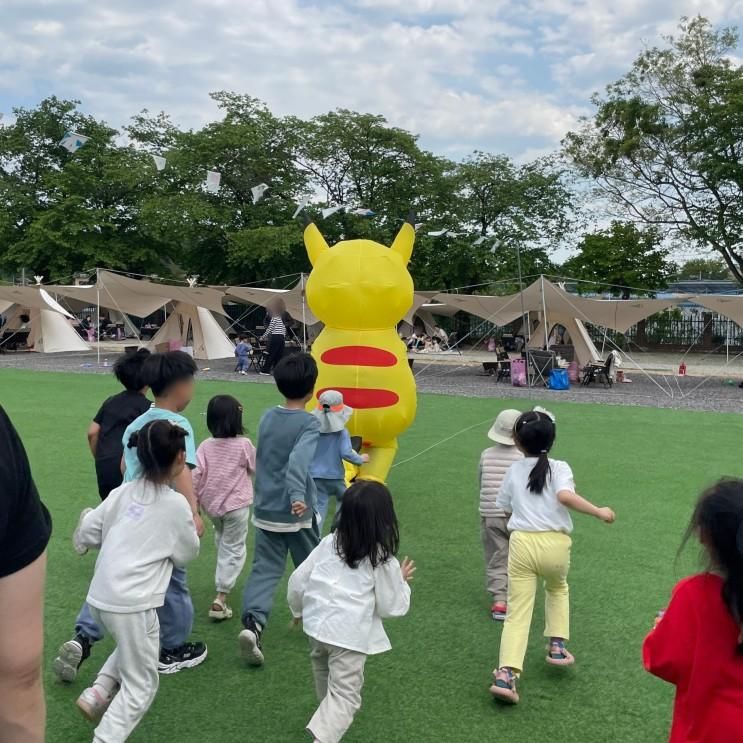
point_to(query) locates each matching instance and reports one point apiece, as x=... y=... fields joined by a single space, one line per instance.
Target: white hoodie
x=142 y=530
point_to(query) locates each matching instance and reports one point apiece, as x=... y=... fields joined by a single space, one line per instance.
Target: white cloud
x=465 y=74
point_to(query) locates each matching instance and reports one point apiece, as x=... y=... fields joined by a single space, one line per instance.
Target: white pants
x=339 y=678
x=133 y=664
x=230 y=533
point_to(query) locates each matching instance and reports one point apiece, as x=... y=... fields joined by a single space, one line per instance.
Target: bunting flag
x=437 y=233
x=300 y=206
x=362 y=212
x=159 y=161
x=329 y=211
x=417 y=226
x=480 y=240
x=258 y=191
x=72 y=141
x=212 y=181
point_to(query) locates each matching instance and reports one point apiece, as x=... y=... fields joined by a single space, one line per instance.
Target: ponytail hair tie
x=544 y=451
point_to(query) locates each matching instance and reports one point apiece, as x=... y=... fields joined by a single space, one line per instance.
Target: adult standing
x=25 y=528
x=275 y=335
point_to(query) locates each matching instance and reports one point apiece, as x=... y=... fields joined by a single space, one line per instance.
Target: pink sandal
x=558 y=654
x=504 y=686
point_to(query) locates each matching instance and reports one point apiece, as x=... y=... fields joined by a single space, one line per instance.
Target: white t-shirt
x=344 y=606
x=536 y=511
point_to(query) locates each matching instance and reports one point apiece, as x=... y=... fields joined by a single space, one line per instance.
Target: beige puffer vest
x=494 y=464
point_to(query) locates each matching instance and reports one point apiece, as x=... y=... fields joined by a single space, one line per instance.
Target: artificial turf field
x=649 y=464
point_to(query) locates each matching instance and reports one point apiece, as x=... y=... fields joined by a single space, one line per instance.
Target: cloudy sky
x=499 y=75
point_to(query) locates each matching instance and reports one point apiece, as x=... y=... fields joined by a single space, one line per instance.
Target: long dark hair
x=158 y=444
x=535 y=434
x=718 y=522
x=367 y=528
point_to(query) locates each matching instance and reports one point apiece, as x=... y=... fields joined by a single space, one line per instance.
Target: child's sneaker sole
x=68 y=661
x=249 y=650
x=568 y=660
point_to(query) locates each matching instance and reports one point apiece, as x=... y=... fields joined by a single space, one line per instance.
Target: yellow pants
x=534 y=555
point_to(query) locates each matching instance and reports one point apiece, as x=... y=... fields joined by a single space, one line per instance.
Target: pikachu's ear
x=314 y=242
x=403 y=242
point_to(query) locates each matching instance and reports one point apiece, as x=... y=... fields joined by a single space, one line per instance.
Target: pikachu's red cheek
x=364 y=398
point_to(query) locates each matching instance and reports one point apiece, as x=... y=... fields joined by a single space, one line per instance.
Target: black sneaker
x=70 y=658
x=250 y=642
x=188 y=655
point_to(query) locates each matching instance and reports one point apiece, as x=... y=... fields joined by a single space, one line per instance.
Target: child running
x=697 y=644
x=224 y=465
x=342 y=592
x=106 y=431
x=494 y=464
x=170 y=376
x=143 y=529
x=284 y=496
x=537 y=492
x=333 y=448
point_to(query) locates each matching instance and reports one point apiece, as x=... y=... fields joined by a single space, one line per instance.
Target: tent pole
x=524 y=315
x=304 y=315
x=544 y=316
x=98 y=313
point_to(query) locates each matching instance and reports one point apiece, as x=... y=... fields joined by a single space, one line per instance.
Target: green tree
x=621 y=259
x=666 y=141
x=704 y=268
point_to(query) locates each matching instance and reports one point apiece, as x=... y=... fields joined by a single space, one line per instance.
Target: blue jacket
x=332 y=450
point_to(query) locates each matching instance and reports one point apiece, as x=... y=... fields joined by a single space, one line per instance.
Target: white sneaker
x=93 y=705
x=79 y=547
x=250 y=647
x=219 y=611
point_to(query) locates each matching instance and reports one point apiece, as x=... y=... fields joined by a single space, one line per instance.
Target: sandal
x=558 y=654
x=504 y=686
x=220 y=611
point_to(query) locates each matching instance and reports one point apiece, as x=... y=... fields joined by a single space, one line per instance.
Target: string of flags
x=72 y=141
x=258 y=191
x=213 y=179
x=159 y=162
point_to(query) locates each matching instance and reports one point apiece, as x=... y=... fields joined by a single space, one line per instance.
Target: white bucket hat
x=502 y=430
x=331 y=412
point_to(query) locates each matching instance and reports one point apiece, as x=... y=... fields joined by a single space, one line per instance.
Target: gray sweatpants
x=230 y=533
x=133 y=664
x=269 y=564
x=339 y=678
x=494 y=535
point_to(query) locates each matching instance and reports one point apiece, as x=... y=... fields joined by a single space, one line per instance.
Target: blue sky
x=497 y=75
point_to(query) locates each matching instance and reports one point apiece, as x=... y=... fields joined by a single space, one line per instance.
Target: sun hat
x=331 y=412
x=502 y=430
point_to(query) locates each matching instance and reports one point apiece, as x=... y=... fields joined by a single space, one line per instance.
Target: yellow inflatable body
x=361 y=290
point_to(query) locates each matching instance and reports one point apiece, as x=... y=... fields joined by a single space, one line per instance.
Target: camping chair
x=504 y=367
x=256 y=357
x=541 y=363
x=452 y=343
x=597 y=372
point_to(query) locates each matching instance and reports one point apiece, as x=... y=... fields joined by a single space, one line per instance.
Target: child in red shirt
x=697 y=645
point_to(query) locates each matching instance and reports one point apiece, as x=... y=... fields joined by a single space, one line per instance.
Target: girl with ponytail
x=537 y=492
x=697 y=643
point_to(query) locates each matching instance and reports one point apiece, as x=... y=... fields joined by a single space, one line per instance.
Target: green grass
x=648 y=464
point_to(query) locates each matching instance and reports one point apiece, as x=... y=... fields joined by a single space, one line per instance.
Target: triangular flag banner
x=331 y=210
x=363 y=212
x=159 y=161
x=301 y=205
x=72 y=141
x=437 y=233
x=417 y=226
x=480 y=240
x=258 y=191
x=212 y=181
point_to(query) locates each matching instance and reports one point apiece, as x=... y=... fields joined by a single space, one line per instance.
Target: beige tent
x=195 y=327
x=585 y=350
x=49 y=328
x=728 y=305
x=293 y=299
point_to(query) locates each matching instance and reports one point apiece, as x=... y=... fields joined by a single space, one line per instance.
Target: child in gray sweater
x=284 y=496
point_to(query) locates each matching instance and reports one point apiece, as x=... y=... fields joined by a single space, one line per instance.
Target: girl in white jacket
x=342 y=591
x=142 y=529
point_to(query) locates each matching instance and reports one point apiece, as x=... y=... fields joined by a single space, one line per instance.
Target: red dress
x=694 y=647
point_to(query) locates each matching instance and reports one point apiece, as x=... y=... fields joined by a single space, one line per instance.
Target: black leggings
x=274 y=352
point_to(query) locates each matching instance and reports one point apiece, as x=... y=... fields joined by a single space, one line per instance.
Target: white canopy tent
x=194 y=327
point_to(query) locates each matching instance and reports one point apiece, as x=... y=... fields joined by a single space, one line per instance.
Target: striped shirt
x=276 y=327
x=222 y=476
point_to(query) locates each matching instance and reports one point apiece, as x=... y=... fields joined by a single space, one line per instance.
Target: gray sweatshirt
x=287 y=440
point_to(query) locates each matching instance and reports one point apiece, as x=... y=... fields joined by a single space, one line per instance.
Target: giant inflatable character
x=361 y=290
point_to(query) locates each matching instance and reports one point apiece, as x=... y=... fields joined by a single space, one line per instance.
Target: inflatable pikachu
x=361 y=290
